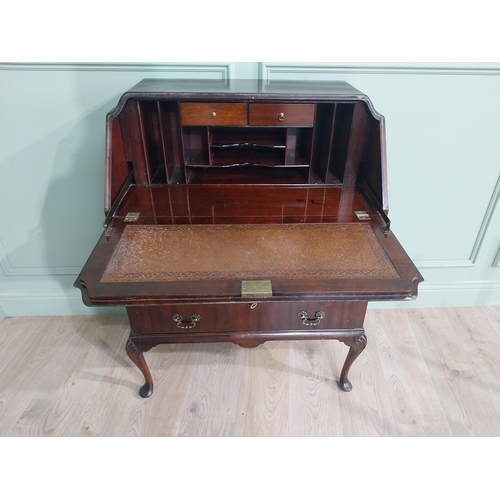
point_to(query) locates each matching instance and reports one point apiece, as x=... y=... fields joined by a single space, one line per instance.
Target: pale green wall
x=442 y=124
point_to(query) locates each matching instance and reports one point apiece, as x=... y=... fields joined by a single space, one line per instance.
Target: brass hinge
x=132 y=217
x=362 y=215
x=385 y=229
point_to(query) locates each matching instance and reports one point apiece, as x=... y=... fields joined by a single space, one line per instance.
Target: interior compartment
x=338 y=149
x=248 y=137
x=195 y=146
x=248 y=175
x=247 y=146
x=298 y=146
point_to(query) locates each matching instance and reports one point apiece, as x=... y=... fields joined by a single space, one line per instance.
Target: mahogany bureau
x=242 y=212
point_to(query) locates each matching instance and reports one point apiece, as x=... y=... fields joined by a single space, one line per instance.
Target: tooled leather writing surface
x=200 y=252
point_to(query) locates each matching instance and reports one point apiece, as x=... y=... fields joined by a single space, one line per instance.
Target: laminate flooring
x=424 y=372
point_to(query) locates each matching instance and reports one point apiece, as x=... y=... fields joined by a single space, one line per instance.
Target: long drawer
x=246 y=317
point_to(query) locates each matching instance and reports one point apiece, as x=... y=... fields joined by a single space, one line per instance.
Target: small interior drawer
x=282 y=115
x=213 y=114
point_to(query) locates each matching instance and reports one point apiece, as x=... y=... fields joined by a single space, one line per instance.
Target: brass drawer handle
x=214 y=114
x=281 y=117
x=191 y=324
x=319 y=315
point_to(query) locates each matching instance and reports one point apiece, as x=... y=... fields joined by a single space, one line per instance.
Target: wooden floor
x=425 y=372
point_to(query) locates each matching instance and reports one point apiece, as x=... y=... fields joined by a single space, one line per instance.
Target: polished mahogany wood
x=213 y=114
x=135 y=353
x=187 y=154
x=281 y=115
x=247 y=325
x=253 y=315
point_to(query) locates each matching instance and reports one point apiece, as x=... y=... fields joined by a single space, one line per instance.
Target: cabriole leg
x=135 y=354
x=357 y=343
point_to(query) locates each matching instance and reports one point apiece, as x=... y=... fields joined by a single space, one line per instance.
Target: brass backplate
x=256 y=288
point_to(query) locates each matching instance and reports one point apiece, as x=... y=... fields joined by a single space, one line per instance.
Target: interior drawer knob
x=281 y=117
x=186 y=324
x=318 y=316
x=214 y=114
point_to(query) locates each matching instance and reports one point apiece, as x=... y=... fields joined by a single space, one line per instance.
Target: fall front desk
x=242 y=212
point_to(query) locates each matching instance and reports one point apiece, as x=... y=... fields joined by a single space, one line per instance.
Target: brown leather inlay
x=258 y=251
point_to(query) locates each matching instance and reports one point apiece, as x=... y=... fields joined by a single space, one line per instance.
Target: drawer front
x=213 y=114
x=246 y=317
x=282 y=115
